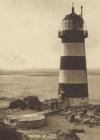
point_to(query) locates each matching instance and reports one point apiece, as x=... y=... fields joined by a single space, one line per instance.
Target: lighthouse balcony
x=85 y=33
x=73 y=33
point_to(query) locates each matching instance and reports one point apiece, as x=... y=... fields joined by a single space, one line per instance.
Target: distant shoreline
x=44 y=74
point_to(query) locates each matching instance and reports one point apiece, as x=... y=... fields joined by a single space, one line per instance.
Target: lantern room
x=73 y=22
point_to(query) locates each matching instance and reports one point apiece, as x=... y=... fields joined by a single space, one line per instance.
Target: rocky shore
x=69 y=123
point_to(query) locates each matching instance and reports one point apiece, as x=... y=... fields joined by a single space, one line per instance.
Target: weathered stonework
x=75 y=102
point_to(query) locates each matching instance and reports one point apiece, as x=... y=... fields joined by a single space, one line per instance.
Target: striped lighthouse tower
x=73 y=85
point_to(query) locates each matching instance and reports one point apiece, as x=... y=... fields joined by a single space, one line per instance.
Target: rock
x=33 y=102
x=78 y=130
x=86 y=121
x=97 y=108
x=30 y=102
x=7 y=133
x=52 y=104
x=26 y=121
x=17 y=103
x=91 y=125
x=67 y=135
x=31 y=121
x=27 y=135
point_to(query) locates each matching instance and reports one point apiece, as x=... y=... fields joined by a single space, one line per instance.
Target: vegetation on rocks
x=17 y=103
x=30 y=102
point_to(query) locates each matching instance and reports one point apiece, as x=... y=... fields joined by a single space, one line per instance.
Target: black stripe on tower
x=73 y=90
x=72 y=35
x=73 y=62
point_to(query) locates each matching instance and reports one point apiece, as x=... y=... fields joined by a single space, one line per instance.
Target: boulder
x=67 y=135
x=7 y=133
x=32 y=102
x=17 y=103
x=78 y=130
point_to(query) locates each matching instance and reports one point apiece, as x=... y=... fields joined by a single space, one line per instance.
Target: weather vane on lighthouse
x=73 y=84
x=72 y=4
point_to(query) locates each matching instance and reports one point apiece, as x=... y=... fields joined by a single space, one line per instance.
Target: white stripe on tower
x=73 y=49
x=72 y=76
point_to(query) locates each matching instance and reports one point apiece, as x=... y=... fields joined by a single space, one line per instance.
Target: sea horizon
x=40 y=72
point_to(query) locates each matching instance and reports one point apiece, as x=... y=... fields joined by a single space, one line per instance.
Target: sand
x=56 y=122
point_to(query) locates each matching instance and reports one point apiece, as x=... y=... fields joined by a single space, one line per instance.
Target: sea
x=42 y=86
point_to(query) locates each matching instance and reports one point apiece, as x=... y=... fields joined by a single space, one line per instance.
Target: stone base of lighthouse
x=74 y=102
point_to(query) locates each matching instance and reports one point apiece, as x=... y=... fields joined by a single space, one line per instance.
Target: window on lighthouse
x=67 y=25
x=78 y=25
x=70 y=24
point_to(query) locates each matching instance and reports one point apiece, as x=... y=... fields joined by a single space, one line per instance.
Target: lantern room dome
x=73 y=16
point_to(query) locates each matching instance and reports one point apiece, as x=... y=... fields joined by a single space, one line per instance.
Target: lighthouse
x=73 y=83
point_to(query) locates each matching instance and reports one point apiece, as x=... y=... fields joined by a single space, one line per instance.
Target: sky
x=29 y=32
